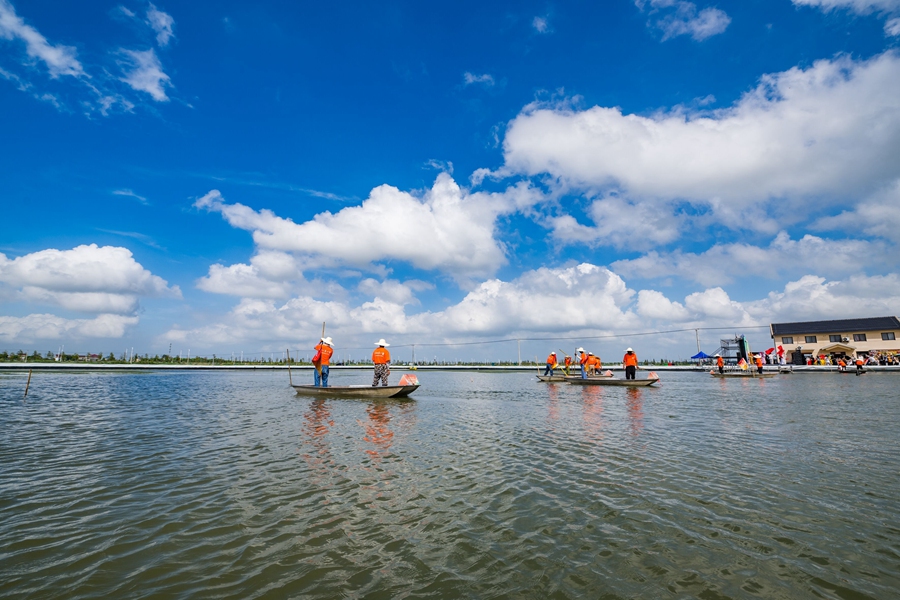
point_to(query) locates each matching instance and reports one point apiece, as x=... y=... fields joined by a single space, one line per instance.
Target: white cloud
x=130 y=194
x=446 y=229
x=143 y=72
x=829 y=132
x=486 y=79
x=892 y=27
x=683 y=18
x=86 y=278
x=654 y=305
x=540 y=24
x=722 y=263
x=392 y=290
x=50 y=327
x=858 y=6
x=269 y=275
x=878 y=215
x=614 y=219
x=59 y=60
x=162 y=24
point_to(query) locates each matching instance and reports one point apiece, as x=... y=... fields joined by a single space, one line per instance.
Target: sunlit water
x=227 y=485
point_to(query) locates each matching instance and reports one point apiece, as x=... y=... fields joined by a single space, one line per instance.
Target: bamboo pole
x=27 y=384
x=291 y=379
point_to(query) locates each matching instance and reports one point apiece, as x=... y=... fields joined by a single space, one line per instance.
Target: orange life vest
x=630 y=359
x=720 y=362
x=325 y=351
x=551 y=360
x=584 y=358
x=568 y=360
x=381 y=356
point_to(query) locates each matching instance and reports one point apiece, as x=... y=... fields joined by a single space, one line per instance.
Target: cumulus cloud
x=614 y=220
x=675 y=18
x=784 y=256
x=87 y=278
x=59 y=60
x=829 y=132
x=50 y=327
x=143 y=72
x=878 y=215
x=269 y=275
x=162 y=24
x=892 y=27
x=446 y=228
x=484 y=79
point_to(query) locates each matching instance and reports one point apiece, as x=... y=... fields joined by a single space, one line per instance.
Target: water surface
x=487 y=485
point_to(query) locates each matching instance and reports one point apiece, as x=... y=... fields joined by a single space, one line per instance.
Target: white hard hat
x=381 y=342
x=327 y=340
x=629 y=350
x=553 y=353
x=590 y=353
x=580 y=350
x=716 y=354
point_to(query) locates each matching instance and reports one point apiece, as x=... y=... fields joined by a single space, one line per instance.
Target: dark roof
x=838 y=326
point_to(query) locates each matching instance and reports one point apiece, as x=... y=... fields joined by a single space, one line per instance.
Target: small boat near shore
x=356 y=391
x=561 y=378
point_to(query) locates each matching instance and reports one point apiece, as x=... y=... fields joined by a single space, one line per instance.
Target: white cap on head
x=381 y=342
x=327 y=340
x=628 y=350
x=553 y=353
x=716 y=354
x=590 y=353
x=580 y=350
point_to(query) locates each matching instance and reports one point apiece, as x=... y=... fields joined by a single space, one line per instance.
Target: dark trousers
x=630 y=371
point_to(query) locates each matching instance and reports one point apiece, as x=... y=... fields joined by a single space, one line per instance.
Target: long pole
x=697 y=333
x=27 y=384
x=291 y=379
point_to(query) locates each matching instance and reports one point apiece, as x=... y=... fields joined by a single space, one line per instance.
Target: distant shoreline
x=137 y=367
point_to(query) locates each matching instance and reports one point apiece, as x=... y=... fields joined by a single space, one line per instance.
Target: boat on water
x=742 y=375
x=560 y=378
x=610 y=380
x=551 y=378
x=356 y=391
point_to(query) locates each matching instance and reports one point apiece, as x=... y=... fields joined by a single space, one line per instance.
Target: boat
x=742 y=375
x=609 y=380
x=356 y=391
x=556 y=378
x=551 y=378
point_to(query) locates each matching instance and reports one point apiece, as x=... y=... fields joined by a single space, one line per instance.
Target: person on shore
x=583 y=362
x=382 y=359
x=567 y=363
x=551 y=364
x=720 y=363
x=759 y=364
x=630 y=362
x=859 y=364
x=321 y=359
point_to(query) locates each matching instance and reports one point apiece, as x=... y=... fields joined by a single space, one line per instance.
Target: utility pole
x=519 y=347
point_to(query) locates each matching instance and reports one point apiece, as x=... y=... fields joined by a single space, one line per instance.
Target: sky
x=223 y=177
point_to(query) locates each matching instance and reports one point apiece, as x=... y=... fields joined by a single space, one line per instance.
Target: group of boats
x=605 y=378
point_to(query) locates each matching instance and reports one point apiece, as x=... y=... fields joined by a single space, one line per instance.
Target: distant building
x=843 y=337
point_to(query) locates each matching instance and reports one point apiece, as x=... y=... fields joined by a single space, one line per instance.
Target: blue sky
x=224 y=177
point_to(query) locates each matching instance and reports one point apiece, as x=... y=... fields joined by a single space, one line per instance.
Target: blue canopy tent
x=700 y=355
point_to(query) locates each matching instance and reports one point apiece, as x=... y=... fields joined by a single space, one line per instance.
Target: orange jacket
x=630 y=359
x=584 y=358
x=759 y=361
x=859 y=361
x=568 y=360
x=595 y=360
x=551 y=360
x=326 y=352
x=841 y=363
x=720 y=362
x=381 y=356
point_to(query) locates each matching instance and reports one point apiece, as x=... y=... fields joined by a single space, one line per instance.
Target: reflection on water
x=227 y=485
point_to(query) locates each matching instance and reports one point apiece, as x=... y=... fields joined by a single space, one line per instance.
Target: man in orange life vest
x=551 y=363
x=630 y=362
x=759 y=363
x=583 y=362
x=382 y=359
x=322 y=358
x=859 y=364
x=593 y=364
x=720 y=363
x=568 y=363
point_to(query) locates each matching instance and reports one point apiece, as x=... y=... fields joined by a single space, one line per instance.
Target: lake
x=484 y=485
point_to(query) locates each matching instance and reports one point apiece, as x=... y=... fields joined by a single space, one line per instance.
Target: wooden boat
x=609 y=380
x=356 y=391
x=742 y=375
x=551 y=378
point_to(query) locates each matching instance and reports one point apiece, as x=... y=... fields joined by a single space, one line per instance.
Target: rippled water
x=226 y=485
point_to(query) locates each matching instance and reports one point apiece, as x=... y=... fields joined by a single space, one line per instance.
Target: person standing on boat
x=583 y=362
x=593 y=365
x=630 y=362
x=759 y=364
x=551 y=364
x=859 y=364
x=382 y=359
x=720 y=362
x=568 y=363
x=322 y=358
